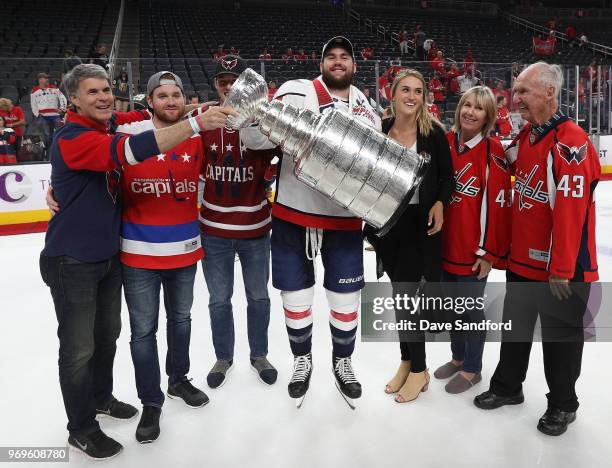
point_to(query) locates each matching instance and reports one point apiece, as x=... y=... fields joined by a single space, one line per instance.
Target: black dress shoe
x=555 y=421
x=489 y=400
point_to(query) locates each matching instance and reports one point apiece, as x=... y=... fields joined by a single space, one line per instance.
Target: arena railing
x=112 y=56
x=595 y=47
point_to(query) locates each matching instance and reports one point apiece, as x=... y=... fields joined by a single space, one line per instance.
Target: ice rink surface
x=248 y=424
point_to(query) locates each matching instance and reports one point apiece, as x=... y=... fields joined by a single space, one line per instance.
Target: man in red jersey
x=160 y=246
x=235 y=221
x=552 y=248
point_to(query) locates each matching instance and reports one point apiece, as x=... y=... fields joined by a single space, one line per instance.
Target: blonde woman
x=473 y=243
x=412 y=249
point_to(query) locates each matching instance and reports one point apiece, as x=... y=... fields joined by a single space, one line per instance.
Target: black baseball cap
x=338 y=41
x=230 y=65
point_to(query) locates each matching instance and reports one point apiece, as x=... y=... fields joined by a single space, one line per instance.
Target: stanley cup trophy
x=355 y=165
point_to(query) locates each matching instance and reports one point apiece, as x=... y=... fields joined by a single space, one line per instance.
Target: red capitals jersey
x=553 y=215
x=477 y=220
x=159 y=228
x=433 y=110
x=235 y=203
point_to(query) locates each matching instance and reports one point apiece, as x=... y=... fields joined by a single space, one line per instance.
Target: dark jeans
x=408 y=254
x=218 y=266
x=562 y=338
x=87 y=298
x=142 y=288
x=48 y=125
x=466 y=346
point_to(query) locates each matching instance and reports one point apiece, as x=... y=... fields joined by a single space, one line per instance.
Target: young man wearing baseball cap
x=235 y=221
x=305 y=222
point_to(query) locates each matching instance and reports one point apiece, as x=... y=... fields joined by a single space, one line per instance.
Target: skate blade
x=299 y=401
x=349 y=401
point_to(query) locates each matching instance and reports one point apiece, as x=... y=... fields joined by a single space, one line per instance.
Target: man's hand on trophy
x=215 y=117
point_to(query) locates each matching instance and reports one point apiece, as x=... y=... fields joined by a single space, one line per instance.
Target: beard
x=337 y=83
x=166 y=117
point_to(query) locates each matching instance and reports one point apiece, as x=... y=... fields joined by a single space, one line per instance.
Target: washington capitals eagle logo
x=571 y=154
x=500 y=161
x=229 y=64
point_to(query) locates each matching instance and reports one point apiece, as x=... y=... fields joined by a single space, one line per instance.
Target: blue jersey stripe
x=160 y=234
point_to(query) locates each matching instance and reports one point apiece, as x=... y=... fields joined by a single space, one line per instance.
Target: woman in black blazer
x=412 y=249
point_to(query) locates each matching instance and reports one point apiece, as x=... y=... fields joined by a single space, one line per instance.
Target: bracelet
x=195 y=126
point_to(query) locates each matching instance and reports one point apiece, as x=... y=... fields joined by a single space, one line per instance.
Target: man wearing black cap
x=48 y=104
x=235 y=220
x=305 y=221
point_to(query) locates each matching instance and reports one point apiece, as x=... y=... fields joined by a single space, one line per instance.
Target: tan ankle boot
x=399 y=378
x=416 y=383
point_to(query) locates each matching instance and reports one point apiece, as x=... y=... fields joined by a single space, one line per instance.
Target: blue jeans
x=87 y=299
x=467 y=347
x=142 y=288
x=218 y=266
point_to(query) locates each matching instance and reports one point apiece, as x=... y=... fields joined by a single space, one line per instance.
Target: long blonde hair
x=425 y=121
x=485 y=99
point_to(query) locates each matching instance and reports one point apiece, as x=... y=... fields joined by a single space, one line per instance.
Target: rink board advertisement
x=605 y=155
x=22 y=198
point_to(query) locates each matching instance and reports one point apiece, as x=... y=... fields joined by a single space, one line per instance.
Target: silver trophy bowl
x=355 y=165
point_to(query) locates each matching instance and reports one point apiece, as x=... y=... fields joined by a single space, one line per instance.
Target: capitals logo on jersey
x=361 y=108
x=527 y=193
x=467 y=188
x=572 y=154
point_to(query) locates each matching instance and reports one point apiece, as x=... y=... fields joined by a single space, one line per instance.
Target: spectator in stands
x=451 y=78
x=551 y=24
x=48 y=105
x=469 y=64
x=515 y=71
x=14 y=118
x=233 y=51
x=384 y=86
x=432 y=53
x=503 y=123
x=194 y=99
x=501 y=90
x=403 y=40
x=419 y=40
x=265 y=55
x=439 y=65
x=300 y=56
x=99 y=57
x=272 y=89
x=313 y=55
x=367 y=53
x=121 y=91
x=467 y=81
x=366 y=92
x=8 y=153
x=288 y=56
x=431 y=105
x=436 y=86
x=583 y=40
x=426 y=48
x=71 y=60
x=220 y=52
x=571 y=34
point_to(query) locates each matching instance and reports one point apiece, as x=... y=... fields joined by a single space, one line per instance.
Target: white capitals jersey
x=295 y=201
